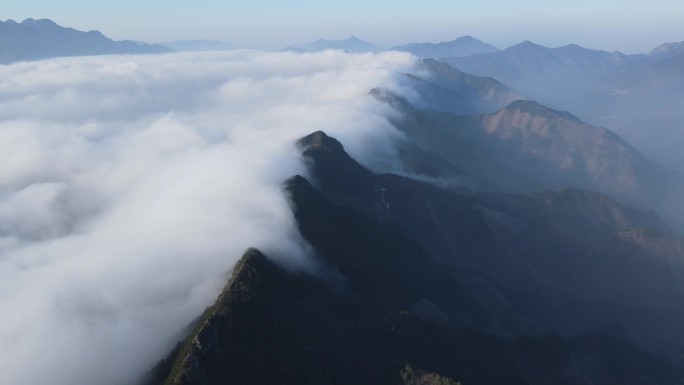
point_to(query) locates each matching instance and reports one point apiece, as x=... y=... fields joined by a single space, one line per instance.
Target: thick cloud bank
x=129 y=186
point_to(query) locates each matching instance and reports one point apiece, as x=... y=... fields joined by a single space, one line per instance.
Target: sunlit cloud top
x=130 y=185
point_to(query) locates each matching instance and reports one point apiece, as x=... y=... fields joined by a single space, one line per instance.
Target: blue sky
x=627 y=25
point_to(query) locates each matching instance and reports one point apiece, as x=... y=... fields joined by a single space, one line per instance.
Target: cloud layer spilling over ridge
x=130 y=185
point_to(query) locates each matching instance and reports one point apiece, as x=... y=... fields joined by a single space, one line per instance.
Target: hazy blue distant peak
x=462 y=46
x=668 y=50
x=43 y=38
x=526 y=45
x=31 y=20
x=573 y=46
x=351 y=44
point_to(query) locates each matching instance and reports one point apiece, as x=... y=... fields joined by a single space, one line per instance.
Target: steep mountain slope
x=566 y=151
x=561 y=259
x=463 y=46
x=356 y=323
x=272 y=327
x=668 y=50
x=526 y=146
x=41 y=39
x=351 y=44
x=445 y=88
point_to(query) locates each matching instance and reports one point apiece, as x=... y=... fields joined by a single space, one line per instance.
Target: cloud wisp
x=130 y=185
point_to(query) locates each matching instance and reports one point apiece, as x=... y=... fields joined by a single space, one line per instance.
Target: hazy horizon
x=627 y=26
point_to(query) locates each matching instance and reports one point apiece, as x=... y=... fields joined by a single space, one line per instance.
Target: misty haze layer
x=130 y=185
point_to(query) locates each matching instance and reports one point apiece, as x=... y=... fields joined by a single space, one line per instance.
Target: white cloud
x=130 y=185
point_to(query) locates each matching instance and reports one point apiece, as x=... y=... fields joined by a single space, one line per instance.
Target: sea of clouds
x=130 y=185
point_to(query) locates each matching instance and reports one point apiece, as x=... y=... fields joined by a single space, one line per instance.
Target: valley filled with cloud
x=130 y=185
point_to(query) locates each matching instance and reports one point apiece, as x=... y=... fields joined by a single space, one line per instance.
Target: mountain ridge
x=638 y=96
x=563 y=151
x=539 y=72
x=554 y=238
x=298 y=326
x=668 y=50
x=462 y=46
x=226 y=345
x=43 y=39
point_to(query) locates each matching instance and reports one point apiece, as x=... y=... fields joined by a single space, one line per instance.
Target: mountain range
x=539 y=72
x=668 y=50
x=638 y=96
x=40 y=39
x=519 y=145
x=497 y=256
x=443 y=281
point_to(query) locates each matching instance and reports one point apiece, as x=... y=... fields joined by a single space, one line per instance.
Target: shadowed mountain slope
x=526 y=147
x=272 y=327
x=569 y=261
x=396 y=293
x=447 y=89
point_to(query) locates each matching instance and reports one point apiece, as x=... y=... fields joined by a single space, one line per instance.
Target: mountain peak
x=668 y=50
x=526 y=45
x=39 y=23
x=573 y=46
x=466 y=38
x=320 y=140
x=331 y=163
x=459 y=47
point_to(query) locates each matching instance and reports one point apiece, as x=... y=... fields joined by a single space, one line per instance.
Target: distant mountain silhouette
x=42 y=39
x=541 y=73
x=445 y=88
x=668 y=50
x=641 y=97
x=645 y=104
x=463 y=46
x=198 y=45
x=352 y=44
